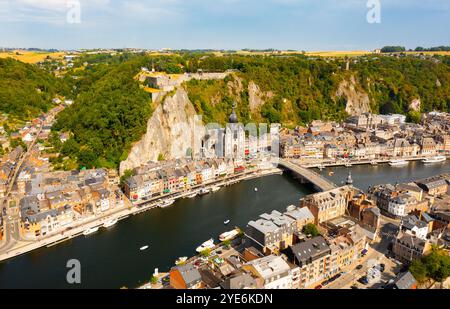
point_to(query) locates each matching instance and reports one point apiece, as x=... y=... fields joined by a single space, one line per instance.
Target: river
x=112 y=259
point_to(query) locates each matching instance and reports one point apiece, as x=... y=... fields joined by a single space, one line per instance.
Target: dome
x=233 y=117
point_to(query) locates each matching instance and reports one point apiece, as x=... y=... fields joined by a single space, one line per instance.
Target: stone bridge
x=307 y=175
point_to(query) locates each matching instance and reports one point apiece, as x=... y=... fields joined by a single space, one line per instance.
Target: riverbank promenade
x=24 y=246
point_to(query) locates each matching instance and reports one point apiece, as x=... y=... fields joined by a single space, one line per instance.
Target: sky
x=309 y=25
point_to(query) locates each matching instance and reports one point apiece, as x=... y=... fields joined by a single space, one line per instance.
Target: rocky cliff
x=172 y=131
x=357 y=101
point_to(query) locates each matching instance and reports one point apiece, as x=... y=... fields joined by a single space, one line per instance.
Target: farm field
x=31 y=56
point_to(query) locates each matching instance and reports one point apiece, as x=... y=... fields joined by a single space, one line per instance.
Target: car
x=363 y=280
x=359 y=267
x=318 y=287
x=354 y=287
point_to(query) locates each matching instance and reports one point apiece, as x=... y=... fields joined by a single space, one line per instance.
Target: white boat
x=203 y=191
x=192 y=195
x=256 y=189
x=374 y=162
x=209 y=244
x=215 y=189
x=348 y=164
x=436 y=159
x=398 y=163
x=167 y=203
x=90 y=231
x=229 y=235
x=110 y=223
x=143 y=248
x=181 y=260
x=226 y=222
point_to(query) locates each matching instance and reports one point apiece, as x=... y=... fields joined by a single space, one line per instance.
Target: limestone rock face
x=415 y=105
x=358 y=101
x=256 y=97
x=173 y=131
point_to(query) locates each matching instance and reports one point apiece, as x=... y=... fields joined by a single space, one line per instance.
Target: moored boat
x=226 y=222
x=435 y=159
x=374 y=162
x=143 y=248
x=110 y=223
x=90 y=231
x=398 y=163
x=209 y=244
x=181 y=260
x=229 y=235
x=203 y=191
x=192 y=195
x=167 y=203
x=215 y=189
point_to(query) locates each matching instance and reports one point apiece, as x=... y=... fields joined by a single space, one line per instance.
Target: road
x=320 y=182
x=11 y=224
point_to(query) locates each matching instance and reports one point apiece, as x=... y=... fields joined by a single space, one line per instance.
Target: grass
x=30 y=56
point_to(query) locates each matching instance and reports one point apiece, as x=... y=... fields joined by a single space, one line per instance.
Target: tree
x=154 y=280
x=392 y=49
x=418 y=270
x=126 y=175
x=227 y=243
x=311 y=229
x=205 y=253
x=413 y=116
x=435 y=265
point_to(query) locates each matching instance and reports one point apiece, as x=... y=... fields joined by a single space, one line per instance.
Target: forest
x=26 y=90
x=111 y=109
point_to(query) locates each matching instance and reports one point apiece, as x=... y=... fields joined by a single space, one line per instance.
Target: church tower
x=234 y=137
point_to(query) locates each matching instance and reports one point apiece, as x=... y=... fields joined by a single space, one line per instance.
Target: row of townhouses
x=53 y=201
x=361 y=137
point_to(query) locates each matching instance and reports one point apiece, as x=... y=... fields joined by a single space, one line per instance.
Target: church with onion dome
x=234 y=138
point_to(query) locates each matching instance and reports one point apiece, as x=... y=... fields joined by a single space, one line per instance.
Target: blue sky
x=224 y=24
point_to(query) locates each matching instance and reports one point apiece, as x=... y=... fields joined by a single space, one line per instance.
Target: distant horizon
x=310 y=25
x=212 y=49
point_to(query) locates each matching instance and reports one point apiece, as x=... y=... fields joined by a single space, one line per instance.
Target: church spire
x=233 y=117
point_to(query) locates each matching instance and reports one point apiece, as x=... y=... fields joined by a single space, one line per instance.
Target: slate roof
x=405 y=281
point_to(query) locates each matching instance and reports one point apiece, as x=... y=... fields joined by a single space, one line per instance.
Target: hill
x=109 y=114
x=112 y=109
x=26 y=90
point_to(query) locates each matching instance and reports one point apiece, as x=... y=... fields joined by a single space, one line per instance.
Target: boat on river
x=181 y=260
x=229 y=235
x=90 y=231
x=110 y=223
x=209 y=244
x=398 y=163
x=435 y=159
x=166 y=203
x=203 y=191
x=192 y=195
x=215 y=189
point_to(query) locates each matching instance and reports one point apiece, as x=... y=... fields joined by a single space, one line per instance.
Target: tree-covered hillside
x=111 y=109
x=26 y=90
x=110 y=113
x=305 y=89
